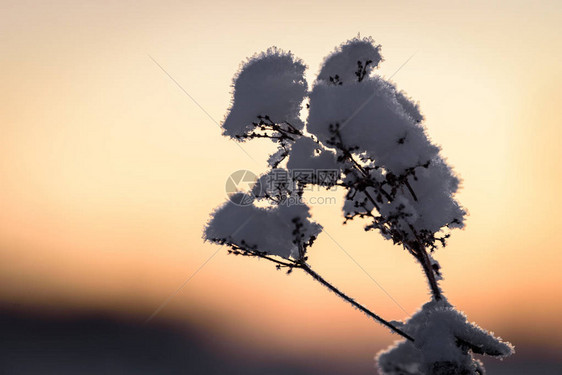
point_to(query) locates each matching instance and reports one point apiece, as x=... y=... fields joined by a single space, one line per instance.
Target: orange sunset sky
x=108 y=171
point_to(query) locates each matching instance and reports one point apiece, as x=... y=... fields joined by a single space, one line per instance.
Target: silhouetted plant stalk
x=354 y=303
x=372 y=163
x=290 y=265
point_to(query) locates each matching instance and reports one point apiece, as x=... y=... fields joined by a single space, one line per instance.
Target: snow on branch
x=283 y=230
x=365 y=136
x=444 y=344
x=271 y=83
x=381 y=128
x=351 y=61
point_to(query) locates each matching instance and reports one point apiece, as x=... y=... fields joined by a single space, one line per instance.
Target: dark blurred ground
x=45 y=344
x=34 y=343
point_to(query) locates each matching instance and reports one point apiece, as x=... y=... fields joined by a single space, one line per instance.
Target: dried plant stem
x=420 y=253
x=342 y=295
x=426 y=265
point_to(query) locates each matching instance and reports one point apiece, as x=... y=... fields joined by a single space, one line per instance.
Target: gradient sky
x=108 y=171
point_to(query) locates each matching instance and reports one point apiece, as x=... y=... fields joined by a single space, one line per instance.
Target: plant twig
x=420 y=254
x=355 y=304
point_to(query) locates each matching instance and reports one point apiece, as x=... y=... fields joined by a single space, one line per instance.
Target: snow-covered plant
x=364 y=136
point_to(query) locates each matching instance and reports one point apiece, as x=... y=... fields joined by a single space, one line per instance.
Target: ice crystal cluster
x=444 y=344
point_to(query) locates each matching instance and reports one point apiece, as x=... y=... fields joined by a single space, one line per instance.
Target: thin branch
x=284 y=264
x=348 y=155
x=300 y=263
x=410 y=188
x=369 y=313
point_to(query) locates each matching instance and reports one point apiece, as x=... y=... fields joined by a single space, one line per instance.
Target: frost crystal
x=272 y=84
x=371 y=118
x=352 y=60
x=444 y=341
x=268 y=230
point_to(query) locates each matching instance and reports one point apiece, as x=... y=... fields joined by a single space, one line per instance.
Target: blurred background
x=109 y=171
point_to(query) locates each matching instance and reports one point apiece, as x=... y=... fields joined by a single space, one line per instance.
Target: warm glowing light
x=108 y=171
